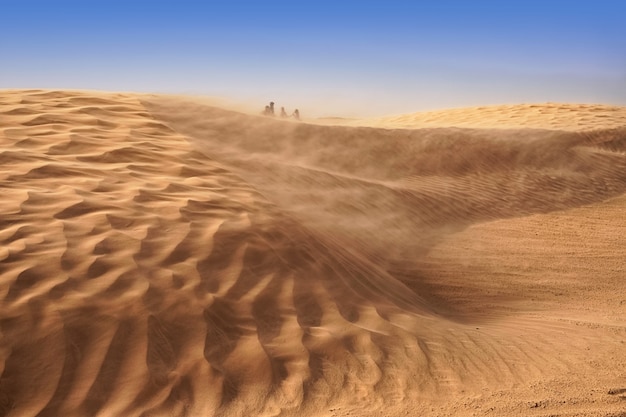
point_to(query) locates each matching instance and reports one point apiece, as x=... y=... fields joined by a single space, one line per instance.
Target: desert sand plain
x=163 y=256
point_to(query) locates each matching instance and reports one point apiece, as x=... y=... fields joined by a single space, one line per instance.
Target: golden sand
x=163 y=257
x=555 y=116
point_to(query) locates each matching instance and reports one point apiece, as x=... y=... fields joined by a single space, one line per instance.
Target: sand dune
x=554 y=116
x=163 y=257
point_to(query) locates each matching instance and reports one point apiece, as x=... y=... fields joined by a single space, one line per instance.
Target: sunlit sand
x=165 y=257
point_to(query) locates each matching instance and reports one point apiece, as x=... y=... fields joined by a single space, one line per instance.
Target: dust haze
x=396 y=191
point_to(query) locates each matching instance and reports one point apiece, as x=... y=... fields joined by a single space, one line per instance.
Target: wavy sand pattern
x=161 y=257
x=555 y=116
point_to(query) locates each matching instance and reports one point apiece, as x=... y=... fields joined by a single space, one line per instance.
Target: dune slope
x=553 y=116
x=164 y=257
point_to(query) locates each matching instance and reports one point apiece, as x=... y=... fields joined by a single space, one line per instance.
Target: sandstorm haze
x=348 y=58
x=442 y=233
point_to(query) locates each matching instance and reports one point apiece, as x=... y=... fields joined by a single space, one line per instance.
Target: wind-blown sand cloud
x=161 y=256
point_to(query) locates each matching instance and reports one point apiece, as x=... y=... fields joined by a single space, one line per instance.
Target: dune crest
x=164 y=257
x=552 y=116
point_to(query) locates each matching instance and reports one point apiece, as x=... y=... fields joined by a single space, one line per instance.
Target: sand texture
x=163 y=257
x=554 y=116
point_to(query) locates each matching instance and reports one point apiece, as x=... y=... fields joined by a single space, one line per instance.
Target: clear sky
x=340 y=57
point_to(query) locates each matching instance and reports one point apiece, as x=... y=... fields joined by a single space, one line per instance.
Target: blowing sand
x=163 y=257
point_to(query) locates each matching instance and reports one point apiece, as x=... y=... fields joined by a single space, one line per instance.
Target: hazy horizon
x=346 y=58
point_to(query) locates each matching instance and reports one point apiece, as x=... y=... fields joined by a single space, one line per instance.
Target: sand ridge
x=165 y=257
x=552 y=116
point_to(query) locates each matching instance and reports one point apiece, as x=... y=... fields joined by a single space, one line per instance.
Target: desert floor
x=163 y=256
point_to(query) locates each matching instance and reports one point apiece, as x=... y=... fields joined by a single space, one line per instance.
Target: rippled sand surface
x=164 y=257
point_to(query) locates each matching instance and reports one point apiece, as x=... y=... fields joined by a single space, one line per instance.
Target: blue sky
x=326 y=57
